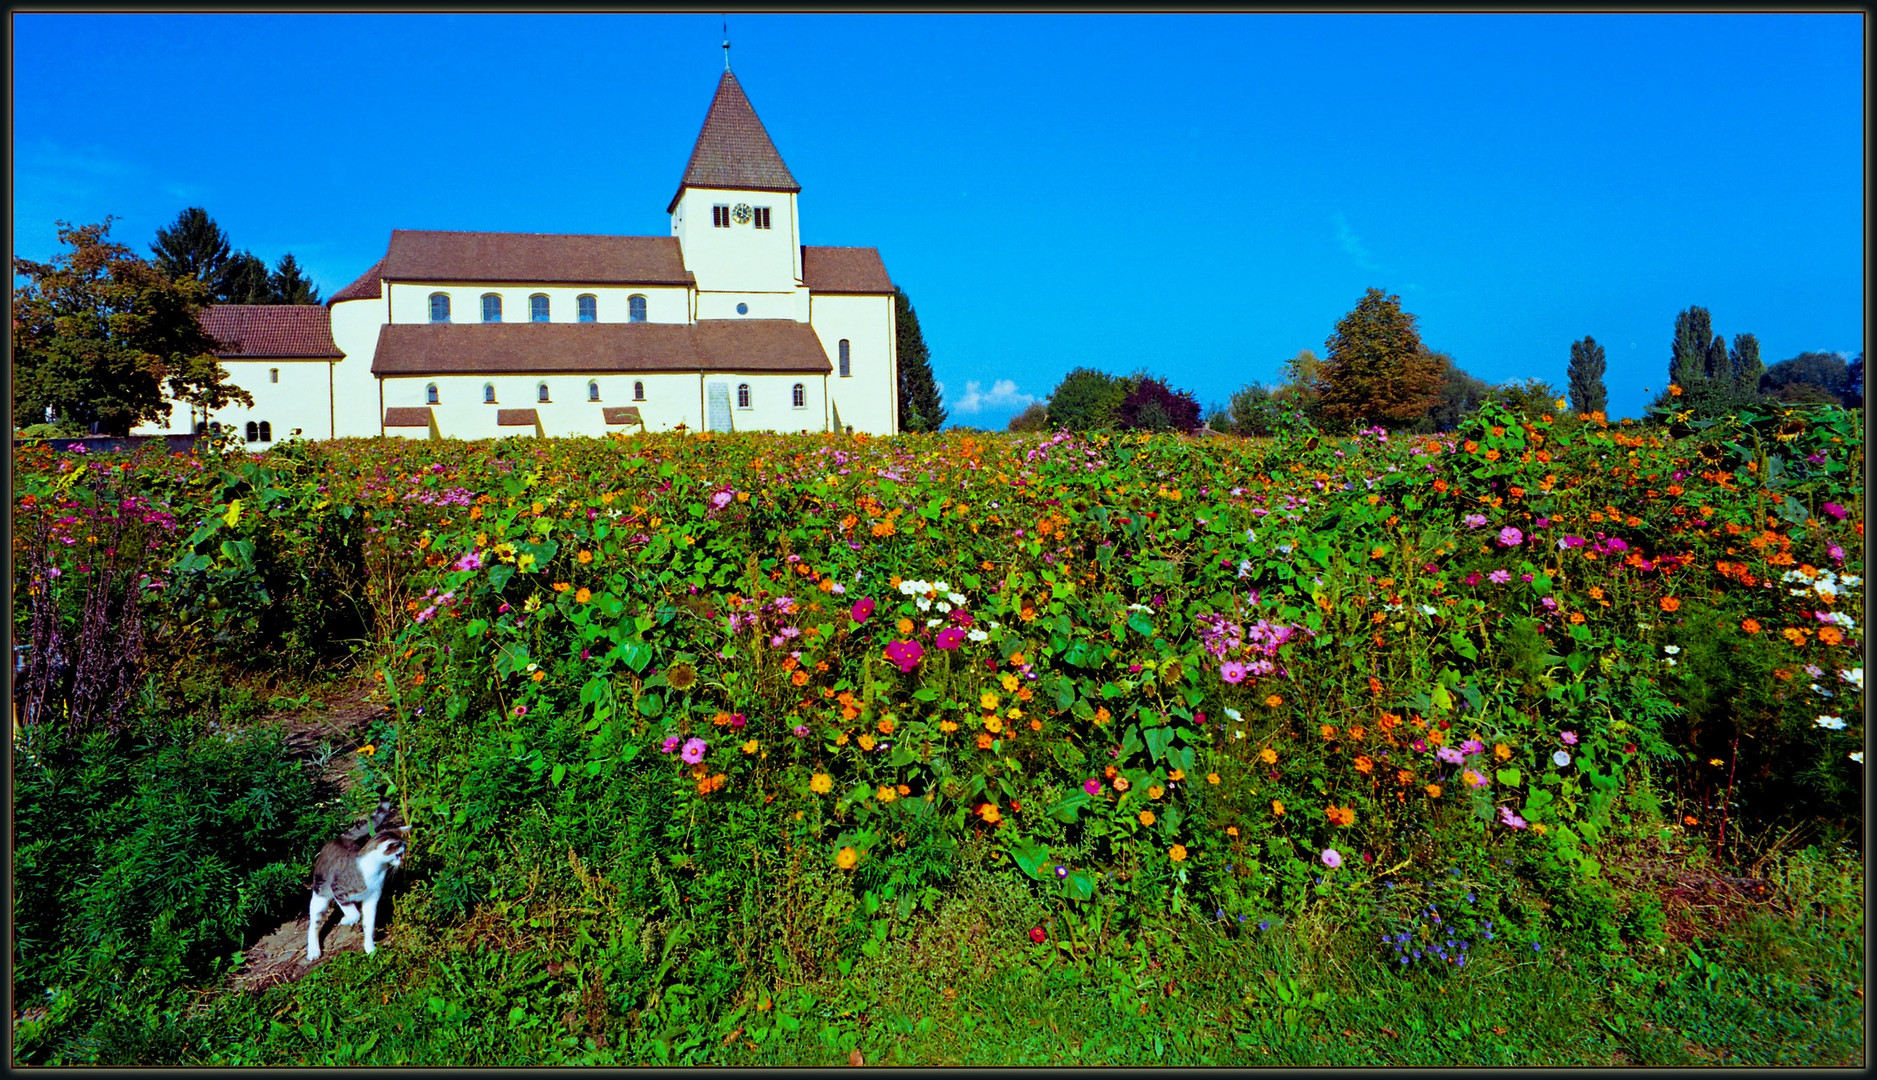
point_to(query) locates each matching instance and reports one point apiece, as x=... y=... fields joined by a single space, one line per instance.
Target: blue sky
x=1198 y=195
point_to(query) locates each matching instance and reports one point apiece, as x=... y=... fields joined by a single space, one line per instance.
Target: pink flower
x=694 y=750
x=905 y=653
x=1092 y=786
x=1332 y=858
x=737 y=720
x=1510 y=537
x=671 y=744
x=1834 y=510
x=1569 y=737
x=1232 y=672
x=949 y=638
x=1508 y=817
x=862 y=608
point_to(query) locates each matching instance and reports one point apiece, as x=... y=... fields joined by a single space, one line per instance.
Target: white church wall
x=741 y=257
x=867 y=397
x=410 y=302
x=355 y=326
x=771 y=401
x=792 y=304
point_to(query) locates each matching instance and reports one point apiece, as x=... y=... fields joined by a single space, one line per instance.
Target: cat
x=351 y=870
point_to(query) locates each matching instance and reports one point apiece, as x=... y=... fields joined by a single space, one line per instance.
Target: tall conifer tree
x=287 y=285
x=1585 y=377
x=919 y=405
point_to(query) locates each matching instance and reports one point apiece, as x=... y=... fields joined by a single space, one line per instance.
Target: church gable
x=733 y=151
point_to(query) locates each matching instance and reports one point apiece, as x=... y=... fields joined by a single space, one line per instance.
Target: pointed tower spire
x=726 y=45
x=733 y=150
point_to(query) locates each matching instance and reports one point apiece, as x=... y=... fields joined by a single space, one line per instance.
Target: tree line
x=1377 y=370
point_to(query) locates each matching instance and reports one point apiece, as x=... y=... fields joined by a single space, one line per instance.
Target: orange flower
x=1147 y=817
x=1277 y=808
x=1364 y=765
x=1177 y=853
x=1268 y=756
x=847 y=858
x=1751 y=626
x=1121 y=783
x=1433 y=791
x=1274 y=701
x=984 y=740
x=1829 y=635
x=583 y=595
x=1328 y=731
x=1176 y=776
x=1341 y=815
x=1669 y=603
x=885 y=726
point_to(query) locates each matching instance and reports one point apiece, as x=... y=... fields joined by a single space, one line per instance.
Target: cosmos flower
x=694 y=750
x=1511 y=819
x=1331 y=858
x=906 y=654
x=1831 y=723
x=1510 y=537
x=949 y=638
x=1232 y=672
x=862 y=608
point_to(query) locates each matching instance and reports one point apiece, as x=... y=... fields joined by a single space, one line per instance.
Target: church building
x=728 y=324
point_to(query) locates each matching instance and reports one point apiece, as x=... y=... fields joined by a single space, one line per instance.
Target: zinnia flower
x=1038 y=934
x=821 y=783
x=1092 y=786
x=1177 y=853
x=694 y=750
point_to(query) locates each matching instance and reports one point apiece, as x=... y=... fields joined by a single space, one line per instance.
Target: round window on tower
x=742 y=309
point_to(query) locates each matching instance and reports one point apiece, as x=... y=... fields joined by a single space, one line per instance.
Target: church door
x=718 y=418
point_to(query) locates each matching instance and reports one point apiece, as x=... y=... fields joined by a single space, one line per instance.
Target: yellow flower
x=885 y=794
x=583 y=595
x=821 y=783
x=1231 y=830
x=1501 y=751
x=1177 y=853
x=1212 y=778
x=947 y=726
x=1433 y=791
x=905 y=626
x=561 y=586
x=749 y=747
x=368 y=749
x=866 y=741
x=1277 y=808
x=1009 y=683
x=1268 y=756
x=585 y=556
x=1176 y=776
x=841 y=739
x=847 y=858
x=988 y=700
x=1538 y=828
x=993 y=725
x=1147 y=817
x=1156 y=791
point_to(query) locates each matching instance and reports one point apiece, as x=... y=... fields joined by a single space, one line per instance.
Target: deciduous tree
x=98 y=333
x=1086 y=399
x=1376 y=369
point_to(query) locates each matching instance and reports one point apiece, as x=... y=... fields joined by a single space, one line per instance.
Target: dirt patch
x=315 y=734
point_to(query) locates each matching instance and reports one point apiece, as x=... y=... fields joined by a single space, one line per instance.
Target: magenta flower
x=1472 y=746
x=671 y=744
x=1510 y=537
x=1834 y=510
x=694 y=750
x=1332 y=858
x=1449 y=755
x=1499 y=577
x=737 y=720
x=800 y=731
x=1092 y=786
x=949 y=638
x=862 y=608
x=1509 y=818
x=471 y=561
x=1232 y=672
x=1569 y=737
x=905 y=653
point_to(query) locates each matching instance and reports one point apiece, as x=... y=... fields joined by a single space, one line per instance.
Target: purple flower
x=1834 y=510
x=1474 y=521
x=949 y=638
x=694 y=750
x=1569 y=737
x=721 y=499
x=1232 y=672
x=1092 y=786
x=1618 y=545
x=1472 y=746
x=906 y=654
x=1509 y=818
x=737 y=720
x=671 y=744
x=1472 y=578
x=471 y=561
x=862 y=608
x=1510 y=537
x=1570 y=541
x=1449 y=755
x=1331 y=858
x=800 y=731
x=1499 y=577
x=1062 y=871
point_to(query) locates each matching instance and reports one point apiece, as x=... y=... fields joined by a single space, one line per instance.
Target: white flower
x=1817 y=689
x=1851 y=581
x=1140 y=607
x=1854 y=676
x=1831 y=723
x=935 y=622
x=1814 y=670
x=956 y=597
x=1671 y=649
x=922 y=604
x=978 y=635
x=1857 y=756
x=1233 y=715
x=1560 y=759
x=1670 y=661
x=1428 y=609
x=940 y=586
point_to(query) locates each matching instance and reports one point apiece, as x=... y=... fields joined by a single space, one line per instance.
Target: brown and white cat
x=351 y=871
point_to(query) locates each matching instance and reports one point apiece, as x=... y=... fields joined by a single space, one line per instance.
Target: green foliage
x=1810 y=378
x=1087 y=400
x=1459 y=395
x=919 y=406
x=1253 y=411
x=1376 y=370
x=287 y=285
x=1584 y=377
x=1528 y=397
x=98 y=332
x=1034 y=417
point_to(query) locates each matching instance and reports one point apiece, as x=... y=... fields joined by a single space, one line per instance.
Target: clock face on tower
x=741 y=213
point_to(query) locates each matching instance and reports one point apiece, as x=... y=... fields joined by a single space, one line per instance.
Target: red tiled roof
x=424 y=255
x=365 y=288
x=621 y=414
x=733 y=149
x=844 y=270
x=407 y=416
x=516 y=418
x=754 y=345
x=262 y=331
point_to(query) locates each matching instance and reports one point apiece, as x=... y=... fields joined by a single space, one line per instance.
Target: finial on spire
x=726 y=44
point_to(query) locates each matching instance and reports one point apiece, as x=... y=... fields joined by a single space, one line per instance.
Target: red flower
x=1038 y=934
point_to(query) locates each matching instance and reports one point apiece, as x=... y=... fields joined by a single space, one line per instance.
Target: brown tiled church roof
x=752 y=345
x=545 y=258
x=517 y=418
x=263 y=331
x=407 y=416
x=844 y=270
x=733 y=149
x=367 y=287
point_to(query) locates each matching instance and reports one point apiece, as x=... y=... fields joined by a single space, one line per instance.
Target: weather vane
x=726 y=44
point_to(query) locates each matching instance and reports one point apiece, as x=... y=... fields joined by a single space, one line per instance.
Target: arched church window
x=589 y=306
x=488 y=393
x=638 y=391
x=541 y=392
x=593 y=391
x=439 y=307
x=267 y=432
x=635 y=308
x=491 y=307
x=254 y=432
x=537 y=307
x=742 y=395
x=846 y=365
x=430 y=394
x=800 y=396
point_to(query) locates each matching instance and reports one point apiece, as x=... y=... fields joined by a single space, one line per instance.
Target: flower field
x=783 y=696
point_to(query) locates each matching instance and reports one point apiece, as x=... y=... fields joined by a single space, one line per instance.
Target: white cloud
x=1001 y=396
x=1352 y=244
